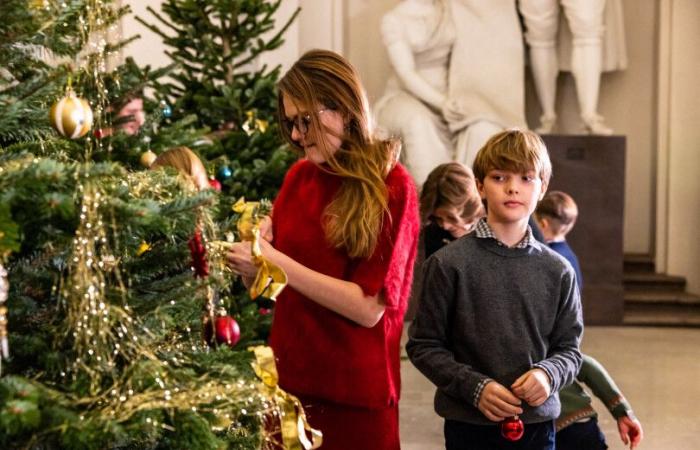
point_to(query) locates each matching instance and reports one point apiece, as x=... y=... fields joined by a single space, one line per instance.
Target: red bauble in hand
x=227 y=330
x=512 y=429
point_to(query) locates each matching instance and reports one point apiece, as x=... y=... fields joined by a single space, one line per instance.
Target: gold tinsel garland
x=103 y=332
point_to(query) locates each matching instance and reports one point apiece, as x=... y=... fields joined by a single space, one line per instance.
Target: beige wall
x=363 y=43
x=319 y=25
x=149 y=49
x=681 y=190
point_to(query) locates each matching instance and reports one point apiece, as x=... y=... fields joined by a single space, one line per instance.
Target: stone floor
x=658 y=369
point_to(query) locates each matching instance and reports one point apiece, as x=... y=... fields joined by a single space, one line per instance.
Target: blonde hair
x=353 y=220
x=186 y=162
x=517 y=150
x=450 y=185
x=560 y=209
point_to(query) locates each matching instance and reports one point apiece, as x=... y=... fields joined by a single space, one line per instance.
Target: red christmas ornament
x=227 y=331
x=215 y=184
x=99 y=133
x=199 y=255
x=264 y=311
x=512 y=429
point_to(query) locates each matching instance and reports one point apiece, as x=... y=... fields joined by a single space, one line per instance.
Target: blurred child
x=556 y=215
x=450 y=205
x=577 y=425
x=130 y=114
x=186 y=162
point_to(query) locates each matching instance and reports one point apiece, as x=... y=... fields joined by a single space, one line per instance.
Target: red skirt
x=352 y=428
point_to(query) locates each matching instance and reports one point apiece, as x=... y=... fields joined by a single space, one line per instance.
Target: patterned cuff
x=479 y=388
x=619 y=407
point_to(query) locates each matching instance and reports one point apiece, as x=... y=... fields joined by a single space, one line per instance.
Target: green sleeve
x=599 y=381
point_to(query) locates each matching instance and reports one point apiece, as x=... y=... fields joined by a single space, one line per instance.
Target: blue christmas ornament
x=165 y=109
x=224 y=173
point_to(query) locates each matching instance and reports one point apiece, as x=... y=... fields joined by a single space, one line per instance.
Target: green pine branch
x=46 y=400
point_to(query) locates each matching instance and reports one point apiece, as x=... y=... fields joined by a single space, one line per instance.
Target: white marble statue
x=418 y=36
x=486 y=87
x=453 y=86
x=591 y=22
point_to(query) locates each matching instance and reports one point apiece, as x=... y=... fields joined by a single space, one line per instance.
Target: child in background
x=130 y=114
x=449 y=208
x=556 y=215
x=499 y=317
x=577 y=425
x=449 y=204
x=186 y=162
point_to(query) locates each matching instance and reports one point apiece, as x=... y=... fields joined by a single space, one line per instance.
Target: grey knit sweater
x=491 y=312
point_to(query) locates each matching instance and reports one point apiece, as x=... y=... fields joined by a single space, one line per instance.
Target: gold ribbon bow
x=253 y=123
x=270 y=279
x=294 y=425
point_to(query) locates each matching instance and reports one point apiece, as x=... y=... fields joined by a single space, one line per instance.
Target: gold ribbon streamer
x=294 y=426
x=270 y=279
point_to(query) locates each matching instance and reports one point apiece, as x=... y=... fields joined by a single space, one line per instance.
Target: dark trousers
x=581 y=436
x=465 y=436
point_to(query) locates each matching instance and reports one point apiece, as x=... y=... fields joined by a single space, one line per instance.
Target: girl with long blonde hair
x=345 y=227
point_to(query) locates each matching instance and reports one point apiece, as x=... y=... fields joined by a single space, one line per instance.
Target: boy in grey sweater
x=499 y=320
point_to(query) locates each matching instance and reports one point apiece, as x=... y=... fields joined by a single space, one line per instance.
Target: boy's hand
x=533 y=386
x=630 y=431
x=497 y=402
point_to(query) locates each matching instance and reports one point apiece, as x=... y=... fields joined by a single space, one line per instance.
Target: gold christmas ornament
x=38 y=4
x=71 y=116
x=143 y=248
x=147 y=158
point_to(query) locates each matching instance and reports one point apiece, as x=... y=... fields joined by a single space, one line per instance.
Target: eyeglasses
x=302 y=122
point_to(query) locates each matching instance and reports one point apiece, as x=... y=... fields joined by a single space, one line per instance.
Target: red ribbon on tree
x=199 y=255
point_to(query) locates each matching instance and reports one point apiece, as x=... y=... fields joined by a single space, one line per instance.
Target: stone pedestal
x=592 y=170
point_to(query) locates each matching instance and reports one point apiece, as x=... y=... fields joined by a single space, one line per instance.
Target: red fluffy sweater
x=320 y=353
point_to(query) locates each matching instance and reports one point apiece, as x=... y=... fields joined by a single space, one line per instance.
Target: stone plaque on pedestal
x=592 y=170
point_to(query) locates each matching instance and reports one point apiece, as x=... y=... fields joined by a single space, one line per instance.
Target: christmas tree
x=112 y=339
x=216 y=46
